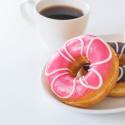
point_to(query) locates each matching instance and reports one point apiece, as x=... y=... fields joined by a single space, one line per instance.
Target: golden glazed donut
x=119 y=89
x=89 y=89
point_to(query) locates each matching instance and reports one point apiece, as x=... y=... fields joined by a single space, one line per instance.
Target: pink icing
x=62 y=83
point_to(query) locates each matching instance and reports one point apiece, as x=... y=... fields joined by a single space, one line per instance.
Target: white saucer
x=108 y=106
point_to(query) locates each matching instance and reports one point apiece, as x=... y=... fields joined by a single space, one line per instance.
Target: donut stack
x=86 y=70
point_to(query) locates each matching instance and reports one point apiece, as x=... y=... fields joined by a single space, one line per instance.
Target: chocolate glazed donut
x=119 y=89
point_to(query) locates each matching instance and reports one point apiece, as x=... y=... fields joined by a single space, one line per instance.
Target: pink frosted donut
x=86 y=90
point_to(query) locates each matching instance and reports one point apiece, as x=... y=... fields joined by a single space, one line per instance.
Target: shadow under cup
x=55 y=32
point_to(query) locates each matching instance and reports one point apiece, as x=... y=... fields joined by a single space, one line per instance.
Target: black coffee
x=61 y=12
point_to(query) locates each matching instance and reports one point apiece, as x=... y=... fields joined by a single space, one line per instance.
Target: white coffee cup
x=55 y=32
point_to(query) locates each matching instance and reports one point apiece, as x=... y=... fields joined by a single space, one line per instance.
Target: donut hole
x=86 y=67
x=82 y=71
x=80 y=67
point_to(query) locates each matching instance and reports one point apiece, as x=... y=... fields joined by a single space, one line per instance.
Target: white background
x=22 y=56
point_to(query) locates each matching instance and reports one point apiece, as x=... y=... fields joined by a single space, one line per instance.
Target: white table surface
x=22 y=56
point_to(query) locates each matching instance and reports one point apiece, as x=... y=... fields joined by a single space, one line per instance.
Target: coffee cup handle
x=25 y=10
